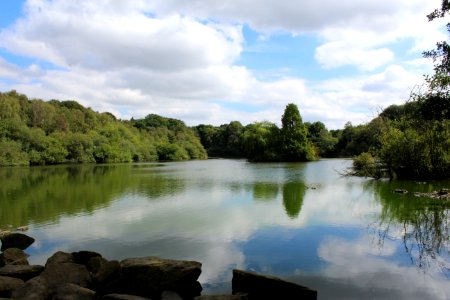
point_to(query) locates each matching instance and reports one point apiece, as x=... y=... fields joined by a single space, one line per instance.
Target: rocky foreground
x=86 y=275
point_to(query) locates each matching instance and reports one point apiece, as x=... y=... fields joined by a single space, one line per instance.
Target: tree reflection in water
x=421 y=223
x=293 y=194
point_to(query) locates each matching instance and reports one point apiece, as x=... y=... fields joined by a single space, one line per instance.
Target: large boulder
x=8 y=284
x=60 y=257
x=150 y=276
x=34 y=289
x=23 y=272
x=83 y=257
x=16 y=240
x=221 y=297
x=61 y=268
x=169 y=295
x=104 y=273
x=70 y=291
x=13 y=256
x=122 y=297
x=61 y=273
x=258 y=286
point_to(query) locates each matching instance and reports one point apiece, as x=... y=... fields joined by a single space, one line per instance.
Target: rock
x=60 y=257
x=8 y=284
x=22 y=228
x=122 y=297
x=444 y=192
x=150 y=276
x=168 y=295
x=400 y=191
x=16 y=240
x=70 y=291
x=268 y=287
x=13 y=256
x=104 y=272
x=221 y=297
x=62 y=273
x=83 y=257
x=4 y=233
x=34 y=289
x=23 y=272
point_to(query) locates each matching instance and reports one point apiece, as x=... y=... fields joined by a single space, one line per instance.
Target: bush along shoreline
x=87 y=275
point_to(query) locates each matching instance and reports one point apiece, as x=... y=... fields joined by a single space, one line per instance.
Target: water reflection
x=230 y=214
x=422 y=224
x=265 y=191
x=369 y=272
x=40 y=195
x=293 y=193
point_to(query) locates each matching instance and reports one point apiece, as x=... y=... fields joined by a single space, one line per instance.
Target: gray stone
x=23 y=272
x=221 y=297
x=83 y=257
x=258 y=286
x=169 y=295
x=122 y=297
x=8 y=284
x=61 y=273
x=16 y=240
x=60 y=257
x=70 y=291
x=150 y=276
x=13 y=256
x=104 y=272
x=33 y=289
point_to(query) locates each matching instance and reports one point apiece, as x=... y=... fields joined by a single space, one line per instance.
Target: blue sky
x=212 y=62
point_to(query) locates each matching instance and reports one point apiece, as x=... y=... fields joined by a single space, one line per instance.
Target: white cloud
x=181 y=59
x=368 y=267
x=8 y=70
x=332 y=55
x=293 y=16
x=69 y=36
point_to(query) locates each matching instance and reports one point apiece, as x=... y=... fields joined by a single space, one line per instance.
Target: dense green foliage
x=35 y=132
x=413 y=140
x=323 y=141
x=222 y=141
x=295 y=146
x=261 y=141
x=264 y=141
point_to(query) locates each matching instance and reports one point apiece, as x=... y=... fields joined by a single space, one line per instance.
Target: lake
x=346 y=237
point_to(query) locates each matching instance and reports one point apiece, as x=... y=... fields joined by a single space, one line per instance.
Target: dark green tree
x=261 y=141
x=416 y=143
x=321 y=138
x=295 y=145
x=435 y=102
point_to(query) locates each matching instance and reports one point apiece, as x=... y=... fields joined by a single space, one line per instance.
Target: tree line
x=294 y=141
x=36 y=132
x=414 y=138
x=404 y=141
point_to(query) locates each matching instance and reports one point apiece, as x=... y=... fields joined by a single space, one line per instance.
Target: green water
x=347 y=237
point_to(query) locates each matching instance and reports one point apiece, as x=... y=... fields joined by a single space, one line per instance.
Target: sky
x=213 y=62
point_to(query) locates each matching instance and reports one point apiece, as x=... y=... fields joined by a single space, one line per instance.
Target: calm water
x=349 y=238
